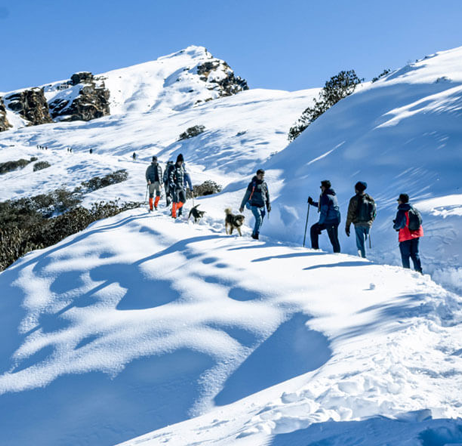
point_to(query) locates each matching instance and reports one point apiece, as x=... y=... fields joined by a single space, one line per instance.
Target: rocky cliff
x=83 y=98
x=4 y=124
x=30 y=104
x=220 y=73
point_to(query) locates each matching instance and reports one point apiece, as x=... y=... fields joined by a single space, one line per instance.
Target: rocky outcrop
x=31 y=105
x=219 y=72
x=4 y=124
x=87 y=99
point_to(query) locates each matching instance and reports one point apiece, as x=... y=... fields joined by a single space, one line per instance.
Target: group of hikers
x=174 y=180
x=361 y=213
x=362 y=209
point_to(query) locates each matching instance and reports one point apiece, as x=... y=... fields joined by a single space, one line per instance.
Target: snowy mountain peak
x=175 y=82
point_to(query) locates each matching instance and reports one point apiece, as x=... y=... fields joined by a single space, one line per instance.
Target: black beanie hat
x=154 y=158
x=179 y=158
x=404 y=198
x=361 y=186
x=326 y=184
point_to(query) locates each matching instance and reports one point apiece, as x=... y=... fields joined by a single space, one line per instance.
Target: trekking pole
x=306 y=224
x=146 y=194
x=370 y=240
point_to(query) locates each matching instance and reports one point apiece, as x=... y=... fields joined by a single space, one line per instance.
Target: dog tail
x=228 y=211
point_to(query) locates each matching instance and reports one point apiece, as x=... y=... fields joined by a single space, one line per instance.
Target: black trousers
x=332 y=232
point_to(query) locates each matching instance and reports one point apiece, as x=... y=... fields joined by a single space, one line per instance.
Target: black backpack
x=367 y=210
x=415 y=219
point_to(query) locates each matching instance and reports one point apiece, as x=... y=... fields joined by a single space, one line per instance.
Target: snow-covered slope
x=400 y=134
x=140 y=323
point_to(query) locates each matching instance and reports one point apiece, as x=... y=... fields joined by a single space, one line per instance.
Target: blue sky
x=287 y=45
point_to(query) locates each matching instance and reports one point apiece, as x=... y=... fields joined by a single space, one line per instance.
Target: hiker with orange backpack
x=408 y=223
x=154 y=180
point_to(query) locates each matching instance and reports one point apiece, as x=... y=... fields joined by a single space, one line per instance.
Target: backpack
x=367 y=209
x=415 y=219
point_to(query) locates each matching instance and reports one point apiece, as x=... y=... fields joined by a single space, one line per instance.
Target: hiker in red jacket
x=409 y=224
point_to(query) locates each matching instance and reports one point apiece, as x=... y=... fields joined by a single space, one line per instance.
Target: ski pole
x=370 y=240
x=306 y=224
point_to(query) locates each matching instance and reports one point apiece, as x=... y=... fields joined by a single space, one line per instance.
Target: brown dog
x=233 y=222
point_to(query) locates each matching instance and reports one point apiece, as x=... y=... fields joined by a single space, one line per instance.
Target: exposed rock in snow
x=4 y=124
x=219 y=72
x=83 y=98
x=30 y=104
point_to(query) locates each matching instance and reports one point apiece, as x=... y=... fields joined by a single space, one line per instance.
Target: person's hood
x=404 y=207
x=256 y=180
x=329 y=191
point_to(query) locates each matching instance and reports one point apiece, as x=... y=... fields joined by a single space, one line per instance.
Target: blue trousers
x=410 y=249
x=362 y=233
x=259 y=214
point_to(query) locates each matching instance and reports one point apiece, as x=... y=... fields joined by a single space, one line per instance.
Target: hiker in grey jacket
x=154 y=180
x=329 y=216
x=361 y=212
x=255 y=199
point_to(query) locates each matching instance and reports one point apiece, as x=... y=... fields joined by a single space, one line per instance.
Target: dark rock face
x=91 y=102
x=4 y=124
x=228 y=83
x=31 y=105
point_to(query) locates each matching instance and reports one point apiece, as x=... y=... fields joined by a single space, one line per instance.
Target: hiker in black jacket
x=329 y=216
x=168 y=192
x=177 y=179
x=361 y=212
x=255 y=199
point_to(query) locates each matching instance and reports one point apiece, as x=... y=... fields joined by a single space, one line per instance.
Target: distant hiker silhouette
x=329 y=217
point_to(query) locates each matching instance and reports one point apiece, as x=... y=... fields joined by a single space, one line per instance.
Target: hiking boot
x=254 y=236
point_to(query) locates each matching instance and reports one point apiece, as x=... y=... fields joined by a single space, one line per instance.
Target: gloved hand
x=268 y=208
x=310 y=200
x=347 y=231
x=241 y=210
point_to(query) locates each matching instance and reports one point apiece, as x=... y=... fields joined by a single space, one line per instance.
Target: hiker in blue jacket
x=256 y=198
x=329 y=216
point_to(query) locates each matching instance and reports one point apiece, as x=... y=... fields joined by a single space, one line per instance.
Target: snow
x=142 y=330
